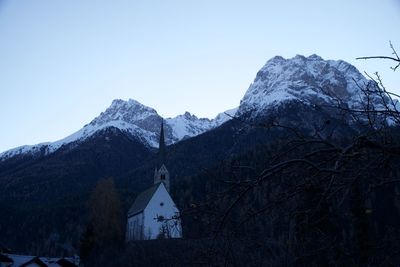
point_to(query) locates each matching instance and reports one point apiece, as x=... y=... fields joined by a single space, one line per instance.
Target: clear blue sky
x=63 y=62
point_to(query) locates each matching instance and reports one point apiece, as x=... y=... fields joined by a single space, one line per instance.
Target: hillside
x=293 y=111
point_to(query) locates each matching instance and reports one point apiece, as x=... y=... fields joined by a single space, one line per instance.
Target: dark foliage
x=299 y=187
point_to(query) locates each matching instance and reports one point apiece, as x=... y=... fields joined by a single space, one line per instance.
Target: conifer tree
x=105 y=224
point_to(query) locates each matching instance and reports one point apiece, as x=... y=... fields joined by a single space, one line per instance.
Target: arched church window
x=162 y=177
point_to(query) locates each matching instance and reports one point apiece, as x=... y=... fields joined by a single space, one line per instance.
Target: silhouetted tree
x=105 y=223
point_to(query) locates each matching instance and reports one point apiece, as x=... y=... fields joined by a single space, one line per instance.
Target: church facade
x=154 y=213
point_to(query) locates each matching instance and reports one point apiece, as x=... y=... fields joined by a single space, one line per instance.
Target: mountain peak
x=311 y=80
x=129 y=111
x=276 y=59
x=315 y=57
x=189 y=116
x=301 y=57
x=130 y=102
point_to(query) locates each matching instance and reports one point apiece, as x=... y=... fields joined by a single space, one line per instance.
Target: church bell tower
x=161 y=174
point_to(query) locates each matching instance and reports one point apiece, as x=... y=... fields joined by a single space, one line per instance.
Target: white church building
x=154 y=214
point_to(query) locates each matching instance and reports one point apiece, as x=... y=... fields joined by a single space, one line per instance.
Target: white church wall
x=161 y=204
x=135 y=227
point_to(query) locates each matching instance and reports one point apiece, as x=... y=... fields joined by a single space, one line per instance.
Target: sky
x=63 y=62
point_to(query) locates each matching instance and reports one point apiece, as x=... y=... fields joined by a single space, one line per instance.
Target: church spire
x=161 y=147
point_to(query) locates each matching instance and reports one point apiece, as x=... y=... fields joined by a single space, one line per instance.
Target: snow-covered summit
x=311 y=80
x=188 y=125
x=131 y=116
x=130 y=111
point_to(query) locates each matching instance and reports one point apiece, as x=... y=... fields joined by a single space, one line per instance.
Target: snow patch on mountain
x=225 y=116
x=33 y=149
x=144 y=136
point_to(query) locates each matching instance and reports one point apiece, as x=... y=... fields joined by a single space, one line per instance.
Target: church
x=154 y=214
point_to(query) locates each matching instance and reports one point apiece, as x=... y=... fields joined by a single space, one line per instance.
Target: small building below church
x=15 y=260
x=154 y=214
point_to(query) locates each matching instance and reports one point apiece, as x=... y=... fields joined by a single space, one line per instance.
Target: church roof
x=36 y=261
x=142 y=200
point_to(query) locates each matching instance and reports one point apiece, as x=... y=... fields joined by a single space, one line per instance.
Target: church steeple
x=161 y=148
x=161 y=174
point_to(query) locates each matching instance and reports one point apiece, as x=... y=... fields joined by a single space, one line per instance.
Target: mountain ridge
x=310 y=80
x=132 y=117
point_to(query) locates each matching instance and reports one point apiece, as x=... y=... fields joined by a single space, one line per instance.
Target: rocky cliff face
x=310 y=80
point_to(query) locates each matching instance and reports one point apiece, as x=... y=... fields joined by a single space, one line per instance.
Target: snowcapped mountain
x=134 y=118
x=310 y=80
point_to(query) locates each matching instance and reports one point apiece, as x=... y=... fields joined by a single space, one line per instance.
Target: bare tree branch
x=394 y=52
